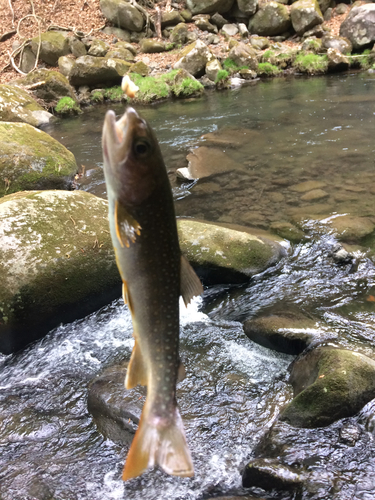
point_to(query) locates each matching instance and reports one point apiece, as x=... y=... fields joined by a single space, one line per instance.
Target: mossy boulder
x=16 y=105
x=122 y=14
x=90 y=70
x=209 y=6
x=31 y=159
x=171 y=18
x=272 y=19
x=120 y=53
x=243 y=55
x=351 y=229
x=305 y=14
x=339 y=43
x=179 y=34
x=57 y=262
x=54 y=44
x=50 y=86
x=151 y=46
x=248 y=7
x=194 y=58
x=225 y=255
x=329 y=384
x=337 y=61
x=359 y=25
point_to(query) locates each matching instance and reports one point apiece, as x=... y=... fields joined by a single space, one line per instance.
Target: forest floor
x=25 y=18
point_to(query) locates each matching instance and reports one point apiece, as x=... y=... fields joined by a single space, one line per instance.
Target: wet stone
x=270 y=474
x=315 y=194
x=289 y=333
x=351 y=229
x=304 y=187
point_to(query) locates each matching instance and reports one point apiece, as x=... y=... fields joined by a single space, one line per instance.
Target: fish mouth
x=117 y=136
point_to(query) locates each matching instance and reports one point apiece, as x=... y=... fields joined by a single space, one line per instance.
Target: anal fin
x=190 y=283
x=137 y=372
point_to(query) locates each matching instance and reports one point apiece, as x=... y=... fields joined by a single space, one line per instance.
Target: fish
x=154 y=274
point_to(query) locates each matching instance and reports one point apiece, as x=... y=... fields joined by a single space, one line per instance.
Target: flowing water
x=296 y=131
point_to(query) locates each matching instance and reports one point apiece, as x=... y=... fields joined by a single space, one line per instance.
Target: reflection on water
x=317 y=131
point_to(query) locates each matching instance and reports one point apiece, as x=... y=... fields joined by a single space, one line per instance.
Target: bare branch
x=12 y=11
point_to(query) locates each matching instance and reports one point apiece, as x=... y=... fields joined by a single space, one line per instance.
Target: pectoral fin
x=190 y=283
x=127 y=228
x=137 y=372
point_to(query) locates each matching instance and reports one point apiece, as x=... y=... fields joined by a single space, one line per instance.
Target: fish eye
x=142 y=147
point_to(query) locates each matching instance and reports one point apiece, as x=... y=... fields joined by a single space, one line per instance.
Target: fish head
x=133 y=163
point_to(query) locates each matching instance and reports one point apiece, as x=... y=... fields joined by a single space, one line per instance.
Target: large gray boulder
x=194 y=58
x=17 y=105
x=329 y=384
x=244 y=55
x=209 y=6
x=225 y=255
x=89 y=70
x=50 y=86
x=57 y=262
x=248 y=7
x=122 y=14
x=32 y=159
x=359 y=25
x=54 y=44
x=305 y=14
x=171 y=18
x=270 y=20
x=339 y=43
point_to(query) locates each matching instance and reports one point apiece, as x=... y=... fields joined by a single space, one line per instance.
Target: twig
x=157 y=22
x=11 y=8
x=15 y=65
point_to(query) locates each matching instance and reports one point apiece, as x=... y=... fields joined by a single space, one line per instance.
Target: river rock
x=339 y=43
x=121 y=53
x=206 y=161
x=122 y=14
x=152 y=46
x=28 y=59
x=329 y=384
x=90 y=70
x=359 y=25
x=312 y=44
x=58 y=262
x=179 y=34
x=171 y=18
x=259 y=42
x=32 y=159
x=194 y=58
x=116 y=411
x=337 y=61
x=118 y=33
x=351 y=229
x=218 y=20
x=202 y=22
x=272 y=19
x=65 y=64
x=269 y=474
x=248 y=7
x=77 y=48
x=224 y=255
x=305 y=14
x=16 y=105
x=209 y=6
x=244 y=55
x=212 y=69
x=98 y=48
x=54 y=44
x=288 y=332
x=50 y=86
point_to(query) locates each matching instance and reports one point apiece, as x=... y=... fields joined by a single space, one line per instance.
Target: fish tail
x=158 y=442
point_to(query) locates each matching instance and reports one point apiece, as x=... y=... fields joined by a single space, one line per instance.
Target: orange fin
x=157 y=442
x=127 y=228
x=137 y=372
x=190 y=283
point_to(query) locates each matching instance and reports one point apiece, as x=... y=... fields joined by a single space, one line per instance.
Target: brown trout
x=154 y=274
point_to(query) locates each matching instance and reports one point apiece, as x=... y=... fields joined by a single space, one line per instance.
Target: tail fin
x=158 y=443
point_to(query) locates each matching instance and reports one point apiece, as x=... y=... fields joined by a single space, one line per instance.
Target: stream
x=290 y=131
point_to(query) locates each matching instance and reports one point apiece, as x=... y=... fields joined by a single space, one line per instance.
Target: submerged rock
x=58 y=262
x=269 y=474
x=290 y=333
x=16 y=105
x=31 y=159
x=329 y=384
x=205 y=161
x=225 y=255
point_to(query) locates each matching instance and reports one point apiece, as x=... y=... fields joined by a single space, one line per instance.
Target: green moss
x=114 y=94
x=221 y=76
x=97 y=96
x=311 y=63
x=230 y=65
x=67 y=106
x=268 y=69
x=188 y=87
x=169 y=46
x=269 y=54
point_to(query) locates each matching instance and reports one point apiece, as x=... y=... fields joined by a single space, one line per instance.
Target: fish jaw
x=131 y=157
